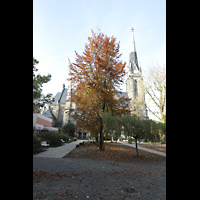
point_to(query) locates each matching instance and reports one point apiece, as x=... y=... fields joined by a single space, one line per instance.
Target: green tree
x=154 y=130
x=69 y=129
x=39 y=99
x=134 y=126
x=162 y=127
x=112 y=125
x=158 y=130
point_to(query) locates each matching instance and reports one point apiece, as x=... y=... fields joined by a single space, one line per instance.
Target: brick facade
x=43 y=122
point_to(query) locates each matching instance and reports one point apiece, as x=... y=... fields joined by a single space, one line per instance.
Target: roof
x=56 y=98
x=48 y=114
x=61 y=96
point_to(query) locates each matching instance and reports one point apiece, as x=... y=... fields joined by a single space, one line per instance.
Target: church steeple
x=132 y=46
x=133 y=61
x=134 y=82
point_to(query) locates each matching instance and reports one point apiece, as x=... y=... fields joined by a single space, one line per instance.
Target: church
x=59 y=109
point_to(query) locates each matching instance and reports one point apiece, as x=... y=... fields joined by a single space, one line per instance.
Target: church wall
x=59 y=115
x=134 y=88
x=54 y=109
x=65 y=117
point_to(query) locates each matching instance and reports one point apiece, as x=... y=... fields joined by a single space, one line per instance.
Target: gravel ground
x=77 y=178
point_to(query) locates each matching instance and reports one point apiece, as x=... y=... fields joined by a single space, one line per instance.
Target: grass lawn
x=113 y=151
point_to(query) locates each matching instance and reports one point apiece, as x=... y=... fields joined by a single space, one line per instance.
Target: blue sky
x=61 y=27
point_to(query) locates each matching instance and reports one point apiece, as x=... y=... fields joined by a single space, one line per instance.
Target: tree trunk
x=101 y=137
x=101 y=143
x=101 y=123
x=136 y=147
x=103 y=105
x=96 y=139
x=112 y=139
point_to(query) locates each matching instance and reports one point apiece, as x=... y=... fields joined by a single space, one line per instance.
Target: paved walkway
x=145 y=149
x=59 y=152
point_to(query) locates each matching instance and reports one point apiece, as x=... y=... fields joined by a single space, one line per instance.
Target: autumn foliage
x=96 y=77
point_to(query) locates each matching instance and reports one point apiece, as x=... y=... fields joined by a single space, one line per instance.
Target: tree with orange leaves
x=96 y=77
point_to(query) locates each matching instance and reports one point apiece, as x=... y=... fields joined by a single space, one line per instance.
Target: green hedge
x=36 y=145
x=69 y=129
x=52 y=138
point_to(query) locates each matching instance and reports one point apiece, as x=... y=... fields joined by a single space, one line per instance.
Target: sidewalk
x=145 y=149
x=59 y=152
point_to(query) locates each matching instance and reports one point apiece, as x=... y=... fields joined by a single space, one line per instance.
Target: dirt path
x=145 y=149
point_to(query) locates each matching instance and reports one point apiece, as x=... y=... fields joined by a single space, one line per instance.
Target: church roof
x=63 y=96
x=48 y=114
x=56 y=98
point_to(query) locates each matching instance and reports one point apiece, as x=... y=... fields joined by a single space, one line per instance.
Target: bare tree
x=155 y=86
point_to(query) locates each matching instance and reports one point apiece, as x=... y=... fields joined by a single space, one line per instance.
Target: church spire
x=133 y=61
x=132 y=45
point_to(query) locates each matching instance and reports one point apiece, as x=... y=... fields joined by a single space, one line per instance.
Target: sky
x=61 y=27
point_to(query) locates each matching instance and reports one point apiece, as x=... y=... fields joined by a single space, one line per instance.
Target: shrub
x=36 y=145
x=54 y=139
x=69 y=129
x=51 y=137
x=64 y=137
